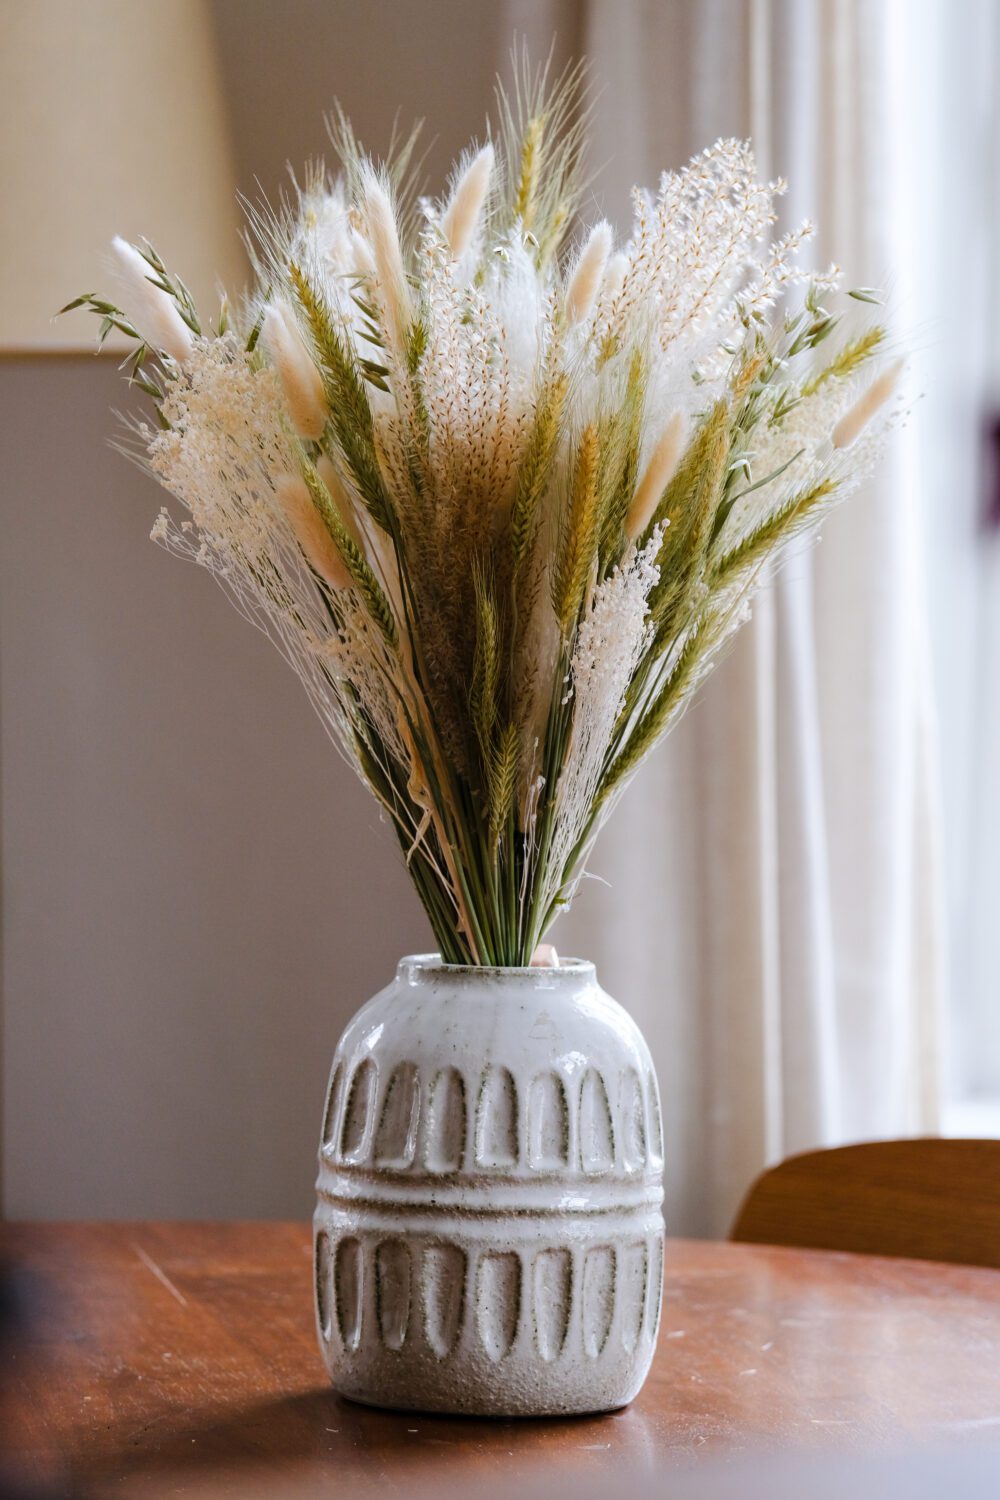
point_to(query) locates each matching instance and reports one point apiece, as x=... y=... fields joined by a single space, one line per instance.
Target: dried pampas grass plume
x=301 y=382
x=588 y=273
x=383 y=239
x=659 y=471
x=151 y=310
x=857 y=417
x=460 y=218
x=309 y=530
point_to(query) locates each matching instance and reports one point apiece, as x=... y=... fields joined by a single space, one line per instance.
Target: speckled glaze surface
x=488 y=1232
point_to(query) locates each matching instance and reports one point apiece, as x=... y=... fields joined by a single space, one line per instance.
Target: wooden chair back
x=929 y=1199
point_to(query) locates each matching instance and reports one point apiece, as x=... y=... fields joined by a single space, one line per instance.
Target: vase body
x=488 y=1233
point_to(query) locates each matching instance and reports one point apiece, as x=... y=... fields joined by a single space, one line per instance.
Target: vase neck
x=420 y=969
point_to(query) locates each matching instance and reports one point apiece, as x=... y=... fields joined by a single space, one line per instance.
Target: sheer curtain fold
x=771 y=918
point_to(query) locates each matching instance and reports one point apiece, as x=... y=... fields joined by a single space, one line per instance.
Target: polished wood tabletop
x=181 y=1359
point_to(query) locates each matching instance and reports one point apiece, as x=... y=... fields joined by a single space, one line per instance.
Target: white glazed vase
x=488 y=1233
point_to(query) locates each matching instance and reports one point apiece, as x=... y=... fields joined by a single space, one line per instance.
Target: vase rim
x=416 y=968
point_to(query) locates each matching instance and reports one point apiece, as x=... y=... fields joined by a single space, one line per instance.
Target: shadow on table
x=21 y=1294
x=325 y=1433
x=276 y=1450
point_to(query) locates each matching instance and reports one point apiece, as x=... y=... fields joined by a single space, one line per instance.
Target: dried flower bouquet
x=501 y=502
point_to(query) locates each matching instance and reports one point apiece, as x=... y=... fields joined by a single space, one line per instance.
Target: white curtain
x=772 y=917
x=954 y=140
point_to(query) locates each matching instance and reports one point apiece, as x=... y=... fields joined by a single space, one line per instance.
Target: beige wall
x=284 y=62
x=196 y=894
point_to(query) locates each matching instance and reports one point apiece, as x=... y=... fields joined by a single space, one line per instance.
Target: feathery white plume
x=660 y=470
x=301 y=382
x=585 y=281
x=460 y=218
x=152 y=311
x=857 y=417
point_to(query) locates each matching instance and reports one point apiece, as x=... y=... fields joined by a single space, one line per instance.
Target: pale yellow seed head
x=310 y=530
x=301 y=382
x=857 y=417
x=151 y=311
x=460 y=218
x=660 y=469
x=585 y=281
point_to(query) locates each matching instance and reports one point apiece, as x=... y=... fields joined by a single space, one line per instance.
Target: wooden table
x=180 y=1359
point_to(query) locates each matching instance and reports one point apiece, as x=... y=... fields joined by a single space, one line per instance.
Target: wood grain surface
x=180 y=1359
x=932 y=1199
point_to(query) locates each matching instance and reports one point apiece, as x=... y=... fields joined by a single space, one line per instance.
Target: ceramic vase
x=488 y=1231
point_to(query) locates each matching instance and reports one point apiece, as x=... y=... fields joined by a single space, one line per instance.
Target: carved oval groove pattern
x=633 y=1275
x=332 y=1113
x=633 y=1122
x=656 y=1126
x=496 y=1119
x=348 y=1281
x=548 y=1123
x=396 y=1137
x=358 y=1111
x=444 y=1296
x=324 y=1276
x=598 y=1298
x=611 y=1293
x=597 y=1137
x=392 y=1292
x=657 y=1289
x=445 y=1145
x=552 y=1278
x=537 y=1124
x=498 y=1301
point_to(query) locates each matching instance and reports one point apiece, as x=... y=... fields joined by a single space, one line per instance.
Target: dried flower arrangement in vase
x=500 y=493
